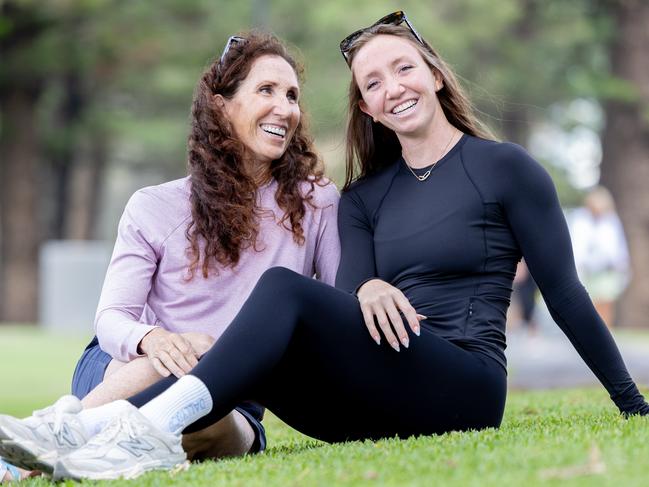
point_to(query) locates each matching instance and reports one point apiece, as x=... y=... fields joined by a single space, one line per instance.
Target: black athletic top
x=451 y=244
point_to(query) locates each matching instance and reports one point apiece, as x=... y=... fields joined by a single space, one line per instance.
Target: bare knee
x=122 y=380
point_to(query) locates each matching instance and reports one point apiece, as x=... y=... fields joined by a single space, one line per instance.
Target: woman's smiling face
x=264 y=112
x=397 y=86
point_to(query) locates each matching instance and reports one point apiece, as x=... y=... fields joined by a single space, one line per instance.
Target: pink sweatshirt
x=146 y=284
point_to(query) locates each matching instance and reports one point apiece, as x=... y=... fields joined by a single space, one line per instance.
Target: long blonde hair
x=370 y=145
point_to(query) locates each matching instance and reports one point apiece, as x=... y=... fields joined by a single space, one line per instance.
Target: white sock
x=94 y=419
x=180 y=405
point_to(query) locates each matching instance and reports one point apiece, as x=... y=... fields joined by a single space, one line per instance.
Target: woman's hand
x=382 y=301
x=169 y=353
x=201 y=342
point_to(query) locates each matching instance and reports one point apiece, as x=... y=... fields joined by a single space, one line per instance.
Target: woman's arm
x=327 y=248
x=532 y=208
x=356 y=244
x=380 y=302
x=126 y=287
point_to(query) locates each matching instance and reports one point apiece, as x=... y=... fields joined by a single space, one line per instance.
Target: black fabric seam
x=484 y=220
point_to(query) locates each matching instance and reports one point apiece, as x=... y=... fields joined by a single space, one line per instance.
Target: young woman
x=189 y=252
x=431 y=232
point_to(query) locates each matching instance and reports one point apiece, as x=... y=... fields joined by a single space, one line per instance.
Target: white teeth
x=404 y=106
x=274 y=129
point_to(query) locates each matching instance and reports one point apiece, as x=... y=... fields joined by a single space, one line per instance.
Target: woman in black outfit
x=412 y=340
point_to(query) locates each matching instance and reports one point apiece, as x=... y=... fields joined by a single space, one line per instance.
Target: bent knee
x=279 y=273
x=280 y=277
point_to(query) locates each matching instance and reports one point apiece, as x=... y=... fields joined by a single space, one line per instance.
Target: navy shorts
x=89 y=373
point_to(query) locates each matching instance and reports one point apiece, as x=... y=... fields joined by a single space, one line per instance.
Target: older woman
x=431 y=232
x=189 y=252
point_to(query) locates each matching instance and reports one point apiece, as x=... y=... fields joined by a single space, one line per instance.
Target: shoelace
x=58 y=417
x=111 y=431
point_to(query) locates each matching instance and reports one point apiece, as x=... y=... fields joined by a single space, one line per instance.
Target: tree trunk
x=20 y=229
x=625 y=163
x=516 y=117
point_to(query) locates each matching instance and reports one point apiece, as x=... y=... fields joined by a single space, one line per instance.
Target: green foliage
x=139 y=61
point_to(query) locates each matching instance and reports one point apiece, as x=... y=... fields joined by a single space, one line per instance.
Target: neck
x=421 y=150
x=259 y=172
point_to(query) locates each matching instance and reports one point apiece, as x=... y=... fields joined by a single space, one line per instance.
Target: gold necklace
x=424 y=176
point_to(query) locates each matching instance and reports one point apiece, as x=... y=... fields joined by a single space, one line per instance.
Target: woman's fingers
x=384 y=324
x=397 y=324
x=159 y=367
x=409 y=313
x=188 y=356
x=387 y=305
x=170 y=364
x=200 y=342
x=368 y=317
x=181 y=360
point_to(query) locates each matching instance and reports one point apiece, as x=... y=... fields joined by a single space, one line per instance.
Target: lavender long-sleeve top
x=146 y=283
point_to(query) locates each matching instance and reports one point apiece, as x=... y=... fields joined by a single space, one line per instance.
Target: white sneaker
x=128 y=446
x=36 y=442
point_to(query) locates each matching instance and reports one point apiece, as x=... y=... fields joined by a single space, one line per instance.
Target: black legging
x=300 y=348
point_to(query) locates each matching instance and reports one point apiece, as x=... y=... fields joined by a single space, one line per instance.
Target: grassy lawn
x=567 y=437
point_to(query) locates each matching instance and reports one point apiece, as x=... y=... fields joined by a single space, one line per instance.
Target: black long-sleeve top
x=451 y=244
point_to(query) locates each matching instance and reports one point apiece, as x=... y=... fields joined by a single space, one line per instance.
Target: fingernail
x=405 y=341
x=377 y=339
x=421 y=317
x=417 y=331
x=395 y=345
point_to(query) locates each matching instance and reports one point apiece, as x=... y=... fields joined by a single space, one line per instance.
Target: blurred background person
x=601 y=252
x=523 y=301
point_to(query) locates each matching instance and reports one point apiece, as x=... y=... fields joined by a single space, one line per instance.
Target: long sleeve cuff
x=121 y=340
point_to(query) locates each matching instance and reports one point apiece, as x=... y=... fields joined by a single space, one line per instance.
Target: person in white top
x=601 y=252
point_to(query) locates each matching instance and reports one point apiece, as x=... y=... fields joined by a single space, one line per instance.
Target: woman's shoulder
x=500 y=162
x=323 y=191
x=494 y=151
x=166 y=203
x=170 y=190
x=377 y=182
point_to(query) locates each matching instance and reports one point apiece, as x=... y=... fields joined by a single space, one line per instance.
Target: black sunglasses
x=395 y=18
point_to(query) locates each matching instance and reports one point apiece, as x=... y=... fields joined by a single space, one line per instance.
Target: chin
x=270 y=157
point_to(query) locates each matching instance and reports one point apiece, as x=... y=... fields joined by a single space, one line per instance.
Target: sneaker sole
x=22 y=456
x=61 y=472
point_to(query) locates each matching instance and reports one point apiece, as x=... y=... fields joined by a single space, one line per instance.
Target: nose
x=281 y=106
x=393 y=88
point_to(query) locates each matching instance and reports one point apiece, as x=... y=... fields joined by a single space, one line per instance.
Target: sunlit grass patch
x=560 y=437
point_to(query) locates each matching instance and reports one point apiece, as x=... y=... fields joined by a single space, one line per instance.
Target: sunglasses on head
x=395 y=18
x=232 y=40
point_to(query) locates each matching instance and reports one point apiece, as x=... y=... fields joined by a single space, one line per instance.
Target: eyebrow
x=393 y=63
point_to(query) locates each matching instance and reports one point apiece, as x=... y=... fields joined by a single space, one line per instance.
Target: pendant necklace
x=424 y=176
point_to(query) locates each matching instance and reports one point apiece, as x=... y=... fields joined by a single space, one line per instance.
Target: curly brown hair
x=223 y=197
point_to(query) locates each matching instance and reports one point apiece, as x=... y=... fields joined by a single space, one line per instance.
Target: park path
x=548 y=360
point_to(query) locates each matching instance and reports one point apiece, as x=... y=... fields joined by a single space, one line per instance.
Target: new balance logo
x=188 y=415
x=135 y=446
x=64 y=436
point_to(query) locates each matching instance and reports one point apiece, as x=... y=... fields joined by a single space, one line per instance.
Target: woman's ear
x=439 y=81
x=220 y=101
x=363 y=106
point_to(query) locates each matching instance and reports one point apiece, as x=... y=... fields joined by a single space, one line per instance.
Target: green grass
x=567 y=438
